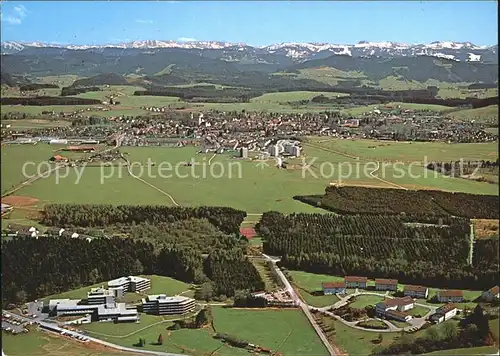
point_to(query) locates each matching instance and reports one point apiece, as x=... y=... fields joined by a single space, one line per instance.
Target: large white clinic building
x=128 y=284
x=160 y=304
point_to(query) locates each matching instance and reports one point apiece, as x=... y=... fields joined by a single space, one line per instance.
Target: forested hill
x=179 y=65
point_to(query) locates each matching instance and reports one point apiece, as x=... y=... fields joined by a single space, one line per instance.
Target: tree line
x=48 y=100
x=376 y=247
x=381 y=201
x=34 y=268
x=228 y=220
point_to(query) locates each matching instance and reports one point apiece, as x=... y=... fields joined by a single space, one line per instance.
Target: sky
x=254 y=23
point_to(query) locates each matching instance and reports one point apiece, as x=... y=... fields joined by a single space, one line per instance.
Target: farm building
x=333 y=287
x=447 y=296
x=416 y=291
x=386 y=284
x=79 y=149
x=491 y=294
x=444 y=313
x=355 y=282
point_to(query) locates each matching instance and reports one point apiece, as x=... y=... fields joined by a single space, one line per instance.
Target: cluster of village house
x=395 y=308
x=101 y=304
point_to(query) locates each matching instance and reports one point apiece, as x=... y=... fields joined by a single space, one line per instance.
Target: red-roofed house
x=448 y=296
x=355 y=282
x=491 y=294
x=386 y=284
x=333 y=287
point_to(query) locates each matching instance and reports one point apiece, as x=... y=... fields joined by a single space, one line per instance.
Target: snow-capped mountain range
x=458 y=51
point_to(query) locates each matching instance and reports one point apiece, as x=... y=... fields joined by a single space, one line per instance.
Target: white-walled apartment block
x=100 y=296
x=162 y=305
x=130 y=284
x=100 y=312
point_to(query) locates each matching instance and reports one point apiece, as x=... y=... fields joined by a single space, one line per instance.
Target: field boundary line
x=145 y=182
x=383 y=180
x=332 y=151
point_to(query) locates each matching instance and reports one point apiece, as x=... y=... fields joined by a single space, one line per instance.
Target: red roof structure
x=248 y=232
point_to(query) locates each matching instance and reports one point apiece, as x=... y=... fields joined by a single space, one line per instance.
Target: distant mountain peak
x=297 y=51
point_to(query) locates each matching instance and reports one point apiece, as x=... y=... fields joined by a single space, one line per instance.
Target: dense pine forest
x=382 y=201
x=402 y=247
x=195 y=245
x=227 y=220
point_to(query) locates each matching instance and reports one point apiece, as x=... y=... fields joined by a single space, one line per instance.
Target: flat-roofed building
x=386 y=284
x=130 y=284
x=416 y=291
x=100 y=296
x=100 y=312
x=162 y=305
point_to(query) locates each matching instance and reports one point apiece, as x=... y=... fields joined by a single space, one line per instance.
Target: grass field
x=486 y=114
x=410 y=151
x=311 y=281
x=290 y=333
x=38 y=343
x=483 y=350
x=418 y=310
x=362 y=109
x=35 y=124
x=362 y=301
x=285 y=331
x=265 y=187
x=318 y=301
x=355 y=341
x=14 y=158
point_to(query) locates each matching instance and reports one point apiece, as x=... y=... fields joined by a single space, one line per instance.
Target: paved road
x=303 y=306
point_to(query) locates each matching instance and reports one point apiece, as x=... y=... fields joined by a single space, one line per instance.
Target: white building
x=273 y=151
x=386 y=284
x=130 y=284
x=100 y=296
x=162 y=305
x=449 y=296
x=244 y=152
x=416 y=291
x=444 y=313
x=395 y=308
x=100 y=312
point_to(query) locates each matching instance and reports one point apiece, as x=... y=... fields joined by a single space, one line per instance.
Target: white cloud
x=145 y=22
x=20 y=10
x=186 y=39
x=16 y=16
x=11 y=19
